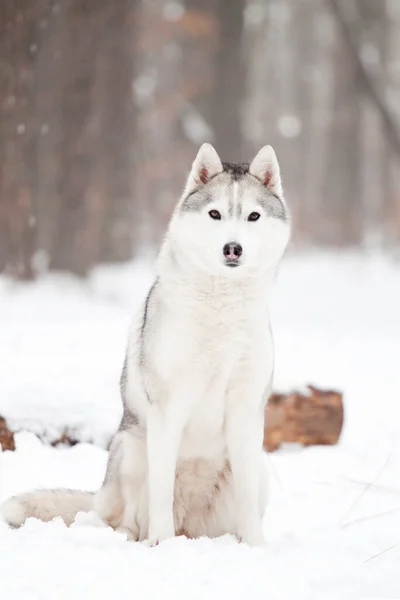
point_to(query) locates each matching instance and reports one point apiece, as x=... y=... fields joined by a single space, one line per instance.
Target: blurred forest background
x=104 y=103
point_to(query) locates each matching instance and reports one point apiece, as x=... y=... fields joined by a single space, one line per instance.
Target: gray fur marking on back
x=122 y=379
x=114 y=448
x=144 y=322
x=129 y=418
x=143 y=331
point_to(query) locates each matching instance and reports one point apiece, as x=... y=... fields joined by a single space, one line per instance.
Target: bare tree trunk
x=257 y=130
x=82 y=204
x=370 y=41
x=227 y=94
x=314 y=139
x=66 y=137
x=119 y=134
x=342 y=218
x=51 y=45
x=18 y=29
x=390 y=208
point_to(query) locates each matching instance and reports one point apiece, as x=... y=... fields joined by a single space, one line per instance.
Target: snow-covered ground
x=333 y=524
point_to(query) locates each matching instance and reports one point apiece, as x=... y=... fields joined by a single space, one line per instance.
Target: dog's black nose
x=232 y=251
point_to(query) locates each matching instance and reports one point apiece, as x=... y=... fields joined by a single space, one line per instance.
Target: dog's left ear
x=265 y=167
x=206 y=164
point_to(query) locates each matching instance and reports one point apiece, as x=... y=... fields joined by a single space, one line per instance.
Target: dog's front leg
x=164 y=431
x=244 y=431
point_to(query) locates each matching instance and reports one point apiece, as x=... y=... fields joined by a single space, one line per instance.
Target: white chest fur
x=207 y=343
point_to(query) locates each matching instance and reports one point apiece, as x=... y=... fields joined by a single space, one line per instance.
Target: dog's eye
x=254 y=216
x=214 y=214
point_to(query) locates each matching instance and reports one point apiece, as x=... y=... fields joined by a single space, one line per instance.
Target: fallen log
x=6 y=436
x=65 y=439
x=314 y=418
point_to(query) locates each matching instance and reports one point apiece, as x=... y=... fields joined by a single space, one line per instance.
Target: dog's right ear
x=206 y=165
x=265 y=167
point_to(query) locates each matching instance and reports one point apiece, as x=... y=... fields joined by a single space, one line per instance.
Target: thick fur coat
x=187 y=458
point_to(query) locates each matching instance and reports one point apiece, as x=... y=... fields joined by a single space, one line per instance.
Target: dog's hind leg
x=221 y=516
x=108 y=502
x=132 y=475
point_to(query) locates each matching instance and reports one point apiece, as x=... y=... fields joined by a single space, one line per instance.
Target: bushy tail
x=45 y=505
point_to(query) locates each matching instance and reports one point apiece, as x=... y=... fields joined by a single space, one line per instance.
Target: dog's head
x=232 y=218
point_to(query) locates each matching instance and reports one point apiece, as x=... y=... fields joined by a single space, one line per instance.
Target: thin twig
x=370 y=517
x=378 y=486
x=380 y=553
x=367 y=488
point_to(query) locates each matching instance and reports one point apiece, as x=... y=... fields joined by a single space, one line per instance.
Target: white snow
x=62 y=347
x=333 y=524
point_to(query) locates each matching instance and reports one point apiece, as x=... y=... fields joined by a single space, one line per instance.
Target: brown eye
x=214 y=214
x=254 y=216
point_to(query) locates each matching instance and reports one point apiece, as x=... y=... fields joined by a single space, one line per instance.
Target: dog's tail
x=45 y=505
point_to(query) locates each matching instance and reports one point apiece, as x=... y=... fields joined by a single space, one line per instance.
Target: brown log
x=6 y=436
x=65 y=439
x=310 y=419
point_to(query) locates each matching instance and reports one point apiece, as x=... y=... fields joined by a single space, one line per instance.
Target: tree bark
x=227 y=94
x=309 y=419
x=6 y=436
x=18 y=35
x=66 y=134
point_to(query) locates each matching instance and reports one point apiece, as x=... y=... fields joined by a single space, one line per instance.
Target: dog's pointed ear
x=206 y=164
x=265 y=167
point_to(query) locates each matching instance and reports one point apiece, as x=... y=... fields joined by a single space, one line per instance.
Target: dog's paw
x=255 y=540
x=131 y=535
x=159 y=532
x=252 y=536
x=151 y=542
x=155 y=540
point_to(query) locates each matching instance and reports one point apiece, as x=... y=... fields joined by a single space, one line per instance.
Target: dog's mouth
x=232 y=263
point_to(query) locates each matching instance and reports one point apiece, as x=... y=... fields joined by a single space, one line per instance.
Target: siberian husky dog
x=187 y=458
